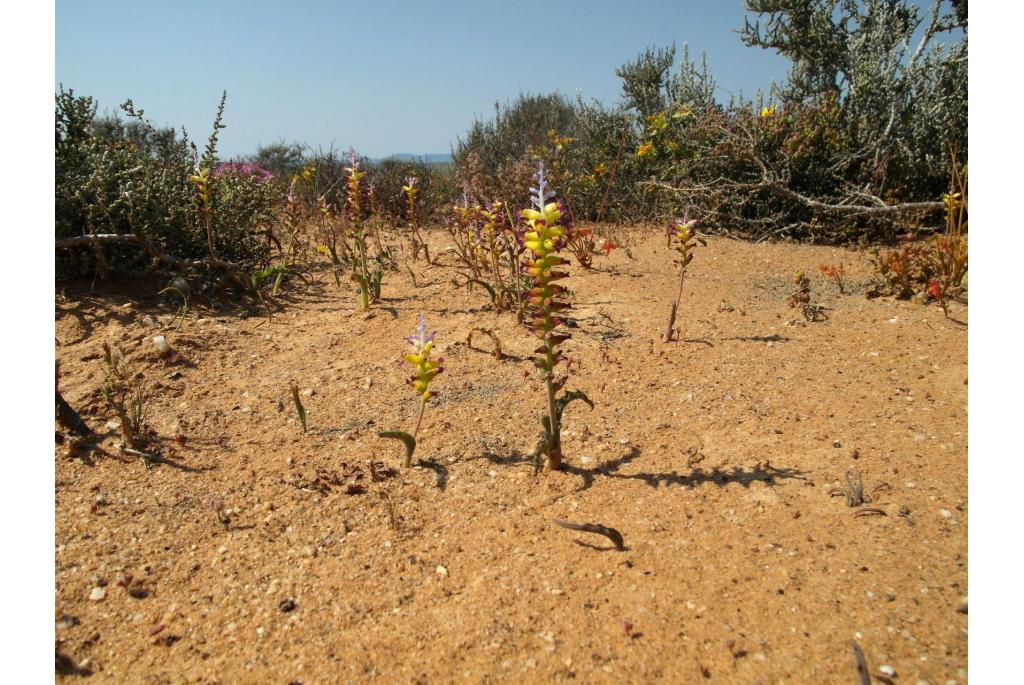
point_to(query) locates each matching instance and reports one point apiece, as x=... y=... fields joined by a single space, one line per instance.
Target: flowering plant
x=685 y=236
x=544 y=237
x=427 y=369
x=244 y=169
x=411 y=192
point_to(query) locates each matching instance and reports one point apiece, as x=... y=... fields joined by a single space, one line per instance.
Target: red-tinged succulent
x=835 y=273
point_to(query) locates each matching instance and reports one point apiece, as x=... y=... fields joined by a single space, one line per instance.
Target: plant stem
x=408 y=457
x=554 y=443
x=675 y=307
x=419 y=420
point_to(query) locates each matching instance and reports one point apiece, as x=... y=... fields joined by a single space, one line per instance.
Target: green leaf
x=562 y=402
x=487 y=286
x=410 y=444
x=298 y=407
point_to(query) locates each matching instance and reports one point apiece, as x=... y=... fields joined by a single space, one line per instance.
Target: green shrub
x=132 y=181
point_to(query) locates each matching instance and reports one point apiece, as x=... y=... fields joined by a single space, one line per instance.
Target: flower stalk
x=685 y=237
x=427 y=369
x=544 y=237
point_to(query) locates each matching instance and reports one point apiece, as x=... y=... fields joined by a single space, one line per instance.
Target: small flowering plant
x=368 y=278
x=544 y=237
x=426 y=370
x=410 y=191
x=684 y=236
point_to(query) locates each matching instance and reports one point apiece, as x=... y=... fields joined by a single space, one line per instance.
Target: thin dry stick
x=615 y=167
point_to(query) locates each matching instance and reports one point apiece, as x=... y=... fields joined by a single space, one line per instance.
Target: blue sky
x=383 y=76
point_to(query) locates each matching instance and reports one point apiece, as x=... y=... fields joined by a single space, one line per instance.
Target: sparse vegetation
x=261 y=255
x=127 y=394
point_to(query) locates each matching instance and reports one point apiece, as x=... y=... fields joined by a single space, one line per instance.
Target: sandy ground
x=713 y=455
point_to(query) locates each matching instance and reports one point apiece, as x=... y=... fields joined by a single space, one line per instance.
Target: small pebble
x=887 y=671
x=946 y=513
x=97 y=594
x=442 y=571
x=67 y=621
x=162 y=346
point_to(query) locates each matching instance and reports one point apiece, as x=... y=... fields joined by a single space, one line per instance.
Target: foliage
x=850 y=146
x=491 y=250
x=299 y=408
x=126 y=392
x=835 y=272
x=935 y=268
x=132 y=179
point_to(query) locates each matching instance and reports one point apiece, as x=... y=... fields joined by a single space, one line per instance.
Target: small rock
x=962 y=609
x=442 y=571
x=113 y=425
x=946 y=513
x=887 y=671
x=308 y=392
x=67 y=621
x=837 y=444
x=98 y=594
x=287 y=605
x=162 y=346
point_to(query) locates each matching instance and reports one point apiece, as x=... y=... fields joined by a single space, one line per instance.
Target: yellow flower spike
x=645 y=149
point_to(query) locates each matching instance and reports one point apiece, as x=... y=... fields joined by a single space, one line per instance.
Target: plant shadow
x=761 y=472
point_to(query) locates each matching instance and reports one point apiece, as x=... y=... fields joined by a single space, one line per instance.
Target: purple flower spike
x=353 y=158
x=540 y=194
x=420 y=338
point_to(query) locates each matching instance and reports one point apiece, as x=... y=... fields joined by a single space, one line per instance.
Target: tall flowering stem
x=426 y=370
x=544 y=237
x=202 y=181
x=410 y=191
x=369 y=283
x=682 y=238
